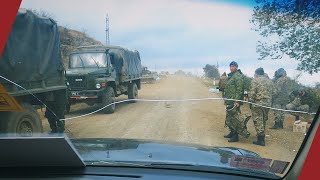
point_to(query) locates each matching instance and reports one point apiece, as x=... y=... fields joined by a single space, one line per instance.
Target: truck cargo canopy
x=126 y=62
x=32 y=51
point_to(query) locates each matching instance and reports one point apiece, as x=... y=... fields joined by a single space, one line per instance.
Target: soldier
x=261 y=94
x=280 y=97
x=234 y=90
x=222 y=82
x=55 y=111
x=297 y=104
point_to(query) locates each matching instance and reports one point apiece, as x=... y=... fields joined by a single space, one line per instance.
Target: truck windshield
x=88 y=60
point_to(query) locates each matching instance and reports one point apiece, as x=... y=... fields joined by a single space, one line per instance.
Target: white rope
x=155 y=100
x=182 y=100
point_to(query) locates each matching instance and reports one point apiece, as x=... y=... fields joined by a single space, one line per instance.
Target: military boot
x=60 y=126
x=53 y=132
x=229 y=135
x=260 y=141
x=234 y=138
x=276 y=126
x=281 y=124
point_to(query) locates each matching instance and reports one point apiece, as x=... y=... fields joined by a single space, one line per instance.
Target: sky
x=172 y=35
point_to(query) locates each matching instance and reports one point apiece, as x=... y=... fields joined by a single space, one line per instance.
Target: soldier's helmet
x=259 y=71
x=233 y=63
x=280 y=72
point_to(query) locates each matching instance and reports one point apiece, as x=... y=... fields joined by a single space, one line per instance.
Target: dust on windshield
x=242 y=77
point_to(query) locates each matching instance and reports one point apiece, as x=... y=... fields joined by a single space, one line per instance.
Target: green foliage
x=180 y=73
x=293 y=85
x=313 y=99
x=211 y=71
x=289 y=27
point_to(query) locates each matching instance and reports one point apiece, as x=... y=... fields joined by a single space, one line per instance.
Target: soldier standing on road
x=234 y=90
x=280 y=97
x=58 y=105
x=222 y=82
x=260 y=93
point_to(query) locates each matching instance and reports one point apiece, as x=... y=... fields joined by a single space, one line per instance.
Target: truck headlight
x=98 y=86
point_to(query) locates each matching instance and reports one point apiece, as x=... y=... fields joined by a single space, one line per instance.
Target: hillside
x=71 y=39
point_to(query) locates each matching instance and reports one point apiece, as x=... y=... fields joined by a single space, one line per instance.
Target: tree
x=292 y=28
x=43 y=13
x=211 y=71
x=180 y=73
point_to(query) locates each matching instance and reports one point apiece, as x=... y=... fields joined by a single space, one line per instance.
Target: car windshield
x=88 y=60
x=230 y=85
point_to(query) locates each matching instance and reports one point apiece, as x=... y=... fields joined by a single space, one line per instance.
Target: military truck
x=97 y=74
x=32 y=73
x=148 y=76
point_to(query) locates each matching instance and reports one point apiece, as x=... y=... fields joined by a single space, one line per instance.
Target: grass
x=209 y=83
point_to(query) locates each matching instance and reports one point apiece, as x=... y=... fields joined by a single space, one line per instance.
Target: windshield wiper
x=95 y=61
x=114 y=163
x=170 y=164
x=143 y=164
x=81 y=61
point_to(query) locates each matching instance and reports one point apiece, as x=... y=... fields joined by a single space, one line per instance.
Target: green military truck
x=31 y=59
x=98 y=74
x=148 y=76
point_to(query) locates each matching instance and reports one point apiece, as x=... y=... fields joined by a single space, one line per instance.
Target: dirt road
x=190 y=122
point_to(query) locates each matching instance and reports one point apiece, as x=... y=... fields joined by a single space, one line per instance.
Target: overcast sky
x=171 y=35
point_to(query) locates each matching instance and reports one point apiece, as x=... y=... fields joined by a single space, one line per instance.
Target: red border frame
x=8 y=10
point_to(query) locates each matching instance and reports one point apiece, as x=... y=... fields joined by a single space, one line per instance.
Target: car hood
x=124 y=150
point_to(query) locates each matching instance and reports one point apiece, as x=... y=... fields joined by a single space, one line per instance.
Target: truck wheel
x=24 y=123
x=107 y=98
x=133 y=92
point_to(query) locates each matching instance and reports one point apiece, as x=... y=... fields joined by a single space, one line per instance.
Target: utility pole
x=107 y=30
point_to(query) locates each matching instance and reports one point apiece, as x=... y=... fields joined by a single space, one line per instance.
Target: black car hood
x=128 y=150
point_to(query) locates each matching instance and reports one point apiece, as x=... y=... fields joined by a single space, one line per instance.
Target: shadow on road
x=83 y=108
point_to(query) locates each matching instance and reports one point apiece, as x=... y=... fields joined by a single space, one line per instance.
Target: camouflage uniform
x=261 y=94
x=222 y=82
x=280 y=98
x=296 y=105
x=234 y=90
